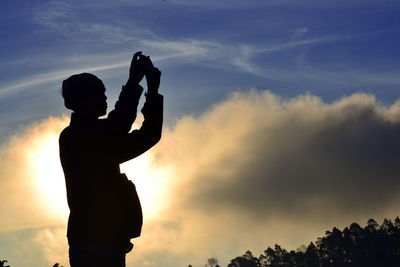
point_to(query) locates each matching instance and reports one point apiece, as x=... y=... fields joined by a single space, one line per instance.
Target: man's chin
x=103 y=112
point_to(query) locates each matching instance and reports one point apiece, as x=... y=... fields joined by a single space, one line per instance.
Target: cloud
x=67 y=18
x=82 y=23
x=251 y=171
x=32 y=196
x=52 y=77
x=257 y=169
x=233 y=57
x=300 y=31
x=257 y=153
x=53 y=243
x=230 y=4
x=28 y=176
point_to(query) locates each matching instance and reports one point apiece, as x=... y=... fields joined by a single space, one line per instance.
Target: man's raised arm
x=124 y=114
x=141 y=140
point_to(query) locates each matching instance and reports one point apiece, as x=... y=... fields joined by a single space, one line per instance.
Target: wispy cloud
x=69 y=20
x=241 y=57
x=54 y=76
x=237 y=57
x=300 y=32
x=226 y=56
x=238 y=4
x=66 y=18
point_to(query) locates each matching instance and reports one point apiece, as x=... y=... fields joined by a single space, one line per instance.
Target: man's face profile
x=96 y=100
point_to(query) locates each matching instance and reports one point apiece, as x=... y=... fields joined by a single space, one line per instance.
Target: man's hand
x=153 y=81
x=137 y=69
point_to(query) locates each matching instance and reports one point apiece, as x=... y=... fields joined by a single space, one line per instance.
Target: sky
x=281 y=121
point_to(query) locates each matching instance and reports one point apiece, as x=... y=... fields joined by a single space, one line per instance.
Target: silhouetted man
x=105 y=211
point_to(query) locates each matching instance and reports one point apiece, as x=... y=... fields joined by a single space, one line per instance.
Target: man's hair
x=75 y=89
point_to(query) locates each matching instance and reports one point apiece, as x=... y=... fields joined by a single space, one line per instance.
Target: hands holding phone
x=141 y=66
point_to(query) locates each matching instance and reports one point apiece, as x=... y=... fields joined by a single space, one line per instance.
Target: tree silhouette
x=212 y=262
x=247 y=260
x=2 y=263
x=371 y=246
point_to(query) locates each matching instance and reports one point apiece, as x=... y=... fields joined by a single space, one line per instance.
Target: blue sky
x=205 y=50
x=214 y=55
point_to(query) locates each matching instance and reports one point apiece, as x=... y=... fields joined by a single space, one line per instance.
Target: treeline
x=374 y=245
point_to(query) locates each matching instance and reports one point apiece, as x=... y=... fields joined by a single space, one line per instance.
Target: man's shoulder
x=64 y=133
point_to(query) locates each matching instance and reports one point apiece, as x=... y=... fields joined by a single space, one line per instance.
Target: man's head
x=85 y=94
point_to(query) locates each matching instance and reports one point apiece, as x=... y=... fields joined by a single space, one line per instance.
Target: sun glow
x=48 y=178
x=150 y=183
x=47 y=172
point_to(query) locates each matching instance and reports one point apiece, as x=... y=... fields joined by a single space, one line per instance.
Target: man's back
x=93 y=180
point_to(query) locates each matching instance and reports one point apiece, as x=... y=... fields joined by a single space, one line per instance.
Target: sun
x=49 y=183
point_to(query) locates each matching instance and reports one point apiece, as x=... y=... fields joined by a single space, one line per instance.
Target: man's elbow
x=156 y=137
x=151 y=139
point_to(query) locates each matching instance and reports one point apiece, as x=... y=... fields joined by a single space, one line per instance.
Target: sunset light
x=45 y=168
x=48 y=177
x=151 y=183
